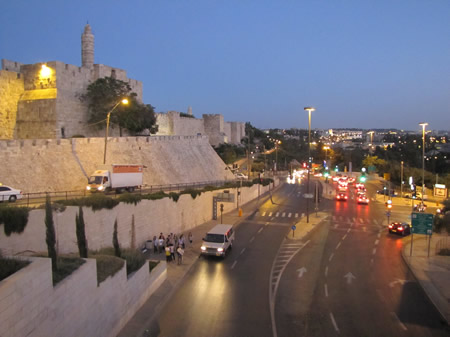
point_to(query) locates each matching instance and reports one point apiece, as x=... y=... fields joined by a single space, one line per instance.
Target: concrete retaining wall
x=31 y=306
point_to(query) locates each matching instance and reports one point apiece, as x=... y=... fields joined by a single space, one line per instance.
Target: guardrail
x=38 y=198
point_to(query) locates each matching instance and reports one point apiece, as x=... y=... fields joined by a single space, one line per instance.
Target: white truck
x=116 y=177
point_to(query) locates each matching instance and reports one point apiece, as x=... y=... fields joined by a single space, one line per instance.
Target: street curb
x=428 y=287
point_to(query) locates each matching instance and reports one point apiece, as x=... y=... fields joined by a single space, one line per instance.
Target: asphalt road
x=346 y=278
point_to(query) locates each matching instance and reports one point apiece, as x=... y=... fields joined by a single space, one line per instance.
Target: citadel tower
x=87 y=47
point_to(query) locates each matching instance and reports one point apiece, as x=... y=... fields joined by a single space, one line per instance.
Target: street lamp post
x=401 y=180
x=326 y=148
x=309 y=109
x=423 y=125
x=123 y=101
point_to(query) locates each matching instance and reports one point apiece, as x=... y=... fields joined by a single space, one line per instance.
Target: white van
x=218 y=240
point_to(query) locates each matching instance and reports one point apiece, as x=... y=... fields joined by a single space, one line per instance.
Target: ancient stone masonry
x=44 y=101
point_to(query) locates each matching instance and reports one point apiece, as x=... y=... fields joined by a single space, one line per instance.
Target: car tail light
x=390 y=226
x=400 y=228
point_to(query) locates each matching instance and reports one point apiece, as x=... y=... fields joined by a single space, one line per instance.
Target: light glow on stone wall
x=45 y=71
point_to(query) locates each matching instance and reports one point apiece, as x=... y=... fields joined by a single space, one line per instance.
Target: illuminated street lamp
x=423 y=125
x=277 y=142
x=309 y=109
x=371 y=137
x=123 y=101
x=326 y=148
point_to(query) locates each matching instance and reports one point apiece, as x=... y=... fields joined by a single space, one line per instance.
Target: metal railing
x=442 y=245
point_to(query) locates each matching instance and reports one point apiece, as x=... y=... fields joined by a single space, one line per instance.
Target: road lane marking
x=276 y=215
x=289 y=215
x=253 y=238
x=334 y=322
x=371 y=261
x=264 y=214
x=379 y=235
x=260 y=230
x=394 y=315
x=344 y=237
x=331 y=257
x=334 y=217
x=326 y=271
x=348 y=230
x=242 y=251
x=338 y=245
x=376 y=242
x=234 y=263
x=374 y=251
x=270 y=214
x=326 y=290
x=283 y=214
x=296 y=215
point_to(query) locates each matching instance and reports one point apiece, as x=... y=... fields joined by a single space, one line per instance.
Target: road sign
x=308 y=196
x=294 y=227
x=388 y=213
x=422 y=223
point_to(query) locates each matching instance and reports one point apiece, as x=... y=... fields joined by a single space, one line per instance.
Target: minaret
x=87 y=47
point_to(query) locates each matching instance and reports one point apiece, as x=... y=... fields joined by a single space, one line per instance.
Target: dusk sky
x=361 y=64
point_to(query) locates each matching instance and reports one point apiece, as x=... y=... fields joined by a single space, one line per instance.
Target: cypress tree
x=81 y=234
x=50 y=236
x=116 y=245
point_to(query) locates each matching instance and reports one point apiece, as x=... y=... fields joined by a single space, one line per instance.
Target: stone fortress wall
x=212 y=125
x=44 y=101
x=64 y=164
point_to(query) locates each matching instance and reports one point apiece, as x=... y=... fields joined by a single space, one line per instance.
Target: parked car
x=400 y=228
x=9 y=193
x=241 y=176
x=391 y=192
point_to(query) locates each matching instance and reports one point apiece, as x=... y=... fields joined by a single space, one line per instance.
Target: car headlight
x=88 y=188
x=220 y=249
x=100 y=188
x=203 y=248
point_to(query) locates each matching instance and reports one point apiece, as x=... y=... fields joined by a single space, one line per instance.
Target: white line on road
x=378 y=235
x=348 y=230
x=331 y=257
x=260 y=230
x=393 y=314
x=264 y=214
x=253 y=238
x=344 y=237
x=326 y=290
x=278 y=213
x=242 y=251
x=234 y=263
x=376 y=242
x=338 y=245
x=334 y=322
x=283 y=214
x=374 y=251
x=270 y=214
x=289 y=215
x=296 y=215
x=326 y=271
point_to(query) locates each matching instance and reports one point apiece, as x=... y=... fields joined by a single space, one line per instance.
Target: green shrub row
x=9 y=266
x=14 y=219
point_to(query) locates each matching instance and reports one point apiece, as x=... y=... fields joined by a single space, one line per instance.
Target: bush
x=194 y=193
x=95 y=201
x=9 y=266
x=174 y=196
x=14 y=219
x=66 y=266
x=155 y=196
x=107 y=265
x=152 y=265
x=135 y=260
x=444 y=252
x=130 y=198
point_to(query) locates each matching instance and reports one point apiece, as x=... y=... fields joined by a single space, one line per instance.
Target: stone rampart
x=11 y=88
x=45 y=165
x=31 y=306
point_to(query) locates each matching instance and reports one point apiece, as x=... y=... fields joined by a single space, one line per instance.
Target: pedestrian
x=190 y=237
x=181 y=241
x=172 y=252
x=160 y=245
x=155 y=245
x=168 y=256
x=180 y=253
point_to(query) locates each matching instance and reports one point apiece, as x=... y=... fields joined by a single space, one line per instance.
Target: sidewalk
x=432 y=273
x=140 y=325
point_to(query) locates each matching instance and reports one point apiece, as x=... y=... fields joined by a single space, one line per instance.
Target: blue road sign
x=294 y=227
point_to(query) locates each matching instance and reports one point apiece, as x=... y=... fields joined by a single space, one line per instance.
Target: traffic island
x=303 y=228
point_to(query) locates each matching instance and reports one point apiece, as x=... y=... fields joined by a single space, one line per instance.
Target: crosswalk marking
x=264 y=214
x=270 y=214
x=296 y=215
x=289 y=215
x=283 y=214
x=276 y=215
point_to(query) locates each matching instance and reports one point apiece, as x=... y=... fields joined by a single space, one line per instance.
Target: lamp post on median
x=309 y=109
x=423 y=125
x=326 y=148
x=123 y=101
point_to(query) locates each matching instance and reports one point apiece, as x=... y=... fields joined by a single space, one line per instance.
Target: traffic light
x=362 y=179
x=304 y=165
x=388 y=204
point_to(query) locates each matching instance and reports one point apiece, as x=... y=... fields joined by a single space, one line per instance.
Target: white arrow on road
x=349 y=276
x=398 y=281
x=301 y=271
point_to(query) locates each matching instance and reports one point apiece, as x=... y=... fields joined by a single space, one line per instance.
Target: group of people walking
x=171 y=245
